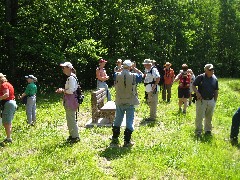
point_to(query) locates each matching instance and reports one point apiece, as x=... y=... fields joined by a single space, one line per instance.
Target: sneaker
x=234 y=141
x=128 y=144
x=7 y=140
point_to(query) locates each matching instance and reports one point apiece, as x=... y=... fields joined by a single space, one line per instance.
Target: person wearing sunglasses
x=207 y=94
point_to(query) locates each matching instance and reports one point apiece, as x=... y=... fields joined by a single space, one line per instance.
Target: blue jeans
x=235 y=124
x=120 y=111
x=104 y=85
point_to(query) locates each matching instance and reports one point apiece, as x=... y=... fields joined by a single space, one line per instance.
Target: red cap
x=102 y=60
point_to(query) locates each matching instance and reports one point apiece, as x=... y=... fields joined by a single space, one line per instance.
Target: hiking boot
x=70 y=139
x=208 y=133
x=75 y=140
x=168 y=101
x=234 y=141
x=114 y=142
x=184 y=112
x=128 y=144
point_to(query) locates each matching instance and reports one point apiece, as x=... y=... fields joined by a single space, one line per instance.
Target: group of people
x=126 y=78
x=9 y=106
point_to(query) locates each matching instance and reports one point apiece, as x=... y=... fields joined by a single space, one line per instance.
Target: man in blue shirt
x=207 y=94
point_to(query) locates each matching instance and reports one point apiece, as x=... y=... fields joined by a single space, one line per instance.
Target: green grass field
x=166 y=149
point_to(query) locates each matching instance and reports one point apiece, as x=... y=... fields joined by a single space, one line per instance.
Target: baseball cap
x=67 y=64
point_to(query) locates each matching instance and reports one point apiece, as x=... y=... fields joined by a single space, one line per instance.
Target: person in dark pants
x=235 y=128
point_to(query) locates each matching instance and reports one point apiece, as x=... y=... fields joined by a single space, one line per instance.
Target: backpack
x=161 y=73
x=79 y=95
x=184 y=80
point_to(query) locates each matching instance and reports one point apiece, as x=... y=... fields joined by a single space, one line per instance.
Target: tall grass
x=166 y=149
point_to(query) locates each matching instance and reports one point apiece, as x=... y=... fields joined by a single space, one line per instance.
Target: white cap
x=208 y=67
x=31 y=77
x=67 y=64
x=127 y=62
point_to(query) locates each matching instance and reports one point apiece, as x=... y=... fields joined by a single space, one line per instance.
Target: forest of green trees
x=36 y=35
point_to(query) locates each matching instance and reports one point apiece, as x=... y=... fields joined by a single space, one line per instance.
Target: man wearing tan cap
x=152 y=88
x=207 y=94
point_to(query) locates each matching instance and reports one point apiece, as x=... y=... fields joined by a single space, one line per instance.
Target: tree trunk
x=11 y=8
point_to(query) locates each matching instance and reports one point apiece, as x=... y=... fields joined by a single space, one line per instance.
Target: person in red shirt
x=8 y=106
x=168 y=81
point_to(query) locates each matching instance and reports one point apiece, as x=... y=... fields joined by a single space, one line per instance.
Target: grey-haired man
x=126 y=99
x=207 y=94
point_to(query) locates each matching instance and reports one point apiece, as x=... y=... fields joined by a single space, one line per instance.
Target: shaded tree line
x=36 y=36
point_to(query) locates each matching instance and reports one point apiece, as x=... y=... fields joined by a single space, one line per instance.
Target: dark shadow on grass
x=115 y=152
x=149 y=123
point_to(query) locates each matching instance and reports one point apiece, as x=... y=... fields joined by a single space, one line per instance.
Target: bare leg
x=8 y=129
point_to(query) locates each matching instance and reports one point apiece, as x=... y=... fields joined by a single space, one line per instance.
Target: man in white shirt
x=152 y=88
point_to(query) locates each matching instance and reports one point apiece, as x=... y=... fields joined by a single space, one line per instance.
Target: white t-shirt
x=71 y=84
x=150 y=77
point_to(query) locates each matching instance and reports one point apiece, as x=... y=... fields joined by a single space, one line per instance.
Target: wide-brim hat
x=2 y=75
x=147 y=61
x=167 y=64
x=119 y=60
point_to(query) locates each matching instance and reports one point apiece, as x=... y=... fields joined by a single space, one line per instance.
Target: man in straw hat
x=168 y=81
x=152 y=88
x=8 y=107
